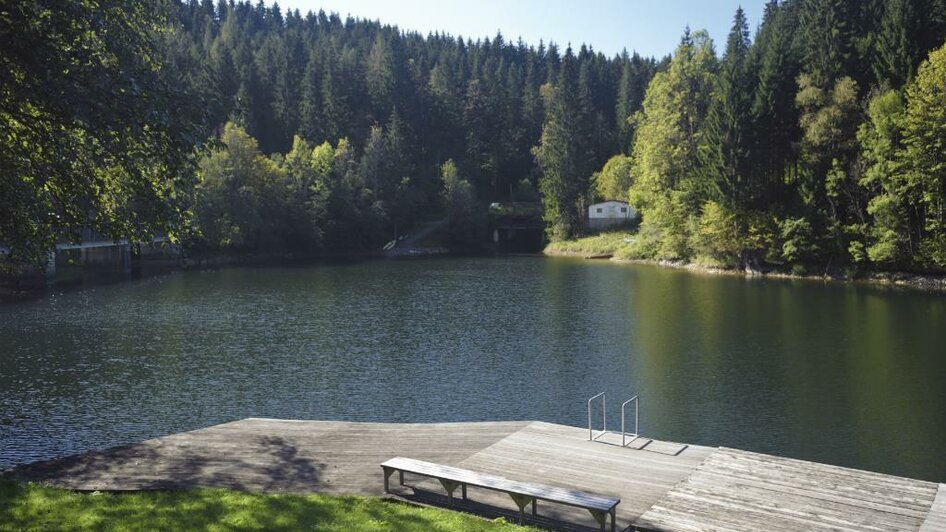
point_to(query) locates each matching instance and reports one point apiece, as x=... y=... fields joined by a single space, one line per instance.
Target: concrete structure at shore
x=92 y=254
x=662 y=485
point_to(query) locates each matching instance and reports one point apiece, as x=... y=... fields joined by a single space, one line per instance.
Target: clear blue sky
x=652 y=27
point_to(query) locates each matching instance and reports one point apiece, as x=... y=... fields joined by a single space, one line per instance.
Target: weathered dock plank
x=562 y=456
x=739 y=490
x=270 y=455
x=936 y=519
x=662 y=485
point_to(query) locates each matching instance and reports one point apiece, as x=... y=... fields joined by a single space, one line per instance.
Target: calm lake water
x=843 y=374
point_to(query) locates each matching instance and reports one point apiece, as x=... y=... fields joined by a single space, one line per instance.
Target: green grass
x=30 y=506
x=610 y=242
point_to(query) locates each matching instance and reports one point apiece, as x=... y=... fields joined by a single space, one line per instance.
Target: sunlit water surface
x=846 y=374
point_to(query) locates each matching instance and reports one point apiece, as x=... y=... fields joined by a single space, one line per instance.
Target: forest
x=817 y=141
x=394 y=108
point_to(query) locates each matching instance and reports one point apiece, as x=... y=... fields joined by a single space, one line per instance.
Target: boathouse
x=610 y=213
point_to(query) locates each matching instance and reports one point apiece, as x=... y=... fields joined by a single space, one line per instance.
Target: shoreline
x=925 y=282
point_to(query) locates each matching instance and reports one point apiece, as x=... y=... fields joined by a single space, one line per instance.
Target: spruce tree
x=828 y=39
x=380 y=76
x=590 y=131
x=623 y=108
x=725 y=151
x=560 y=154
x=776 y=62
x=897 y=48
x=310 y=105
x=335 y=112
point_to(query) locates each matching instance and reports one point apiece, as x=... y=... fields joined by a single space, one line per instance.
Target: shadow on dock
x=662 y=485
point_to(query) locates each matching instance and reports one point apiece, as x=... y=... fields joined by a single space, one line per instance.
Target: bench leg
x=450 y=486
x=601 y=518
x=401 y=477
x=613 y=518
x=522 y=501
x=534 y=513
x=463 y=491
x=387 y=475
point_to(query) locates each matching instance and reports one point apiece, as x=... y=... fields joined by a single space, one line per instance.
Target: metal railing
x=626 y=437
x=637 y=410
x=604 y=416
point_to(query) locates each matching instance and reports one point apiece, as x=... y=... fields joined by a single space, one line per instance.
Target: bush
x=718 y=236
x=605 y=243
x=797 y=239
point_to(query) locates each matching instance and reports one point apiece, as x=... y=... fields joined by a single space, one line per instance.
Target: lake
x=846 y=374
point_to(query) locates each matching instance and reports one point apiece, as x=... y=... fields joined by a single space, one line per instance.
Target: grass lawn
x=29 y=506
x=601 y=244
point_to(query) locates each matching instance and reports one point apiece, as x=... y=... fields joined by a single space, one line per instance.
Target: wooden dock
x=739 y=490
x=662 y=485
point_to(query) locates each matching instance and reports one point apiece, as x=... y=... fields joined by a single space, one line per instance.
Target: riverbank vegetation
x=95 y=130
x=29 y=506
x=387 y=108
x=606 y=243
x=814 y=143
x=818 y=145
x=410 y=112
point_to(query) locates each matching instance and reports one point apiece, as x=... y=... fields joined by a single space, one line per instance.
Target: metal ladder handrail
x=604 y=416
x=637 y=407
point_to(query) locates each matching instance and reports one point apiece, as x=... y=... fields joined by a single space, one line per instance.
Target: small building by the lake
x=610 y=213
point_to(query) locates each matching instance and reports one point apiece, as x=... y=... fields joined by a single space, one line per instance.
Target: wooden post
x=521 y=501
x=601 y=518
x=450 y=486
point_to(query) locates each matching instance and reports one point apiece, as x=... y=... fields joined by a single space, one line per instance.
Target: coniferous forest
x=384 y=112
x=816 y=140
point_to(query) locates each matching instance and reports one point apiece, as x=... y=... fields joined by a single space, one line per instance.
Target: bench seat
x=523 y=493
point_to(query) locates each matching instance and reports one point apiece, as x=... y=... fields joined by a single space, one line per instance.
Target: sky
x=651 y=27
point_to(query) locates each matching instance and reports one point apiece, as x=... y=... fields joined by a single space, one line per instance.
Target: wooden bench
x=522 y=493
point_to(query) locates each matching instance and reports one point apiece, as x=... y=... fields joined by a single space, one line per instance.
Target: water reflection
x=851 y=375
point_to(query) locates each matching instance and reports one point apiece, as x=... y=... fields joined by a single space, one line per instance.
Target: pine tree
x=776 y=60
x=336 y=115
x=397 y=149
x=725 y=150
x=371 y=167
x=897 y=50
x=623 y=104
x=381 y=76
x=828 y=39
x=560 y=154
x=592 y=134
x=478 y=120
x=932 y=26
x=275 y=102
x=532 y=111
x=310 y=105
x=246 y=109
